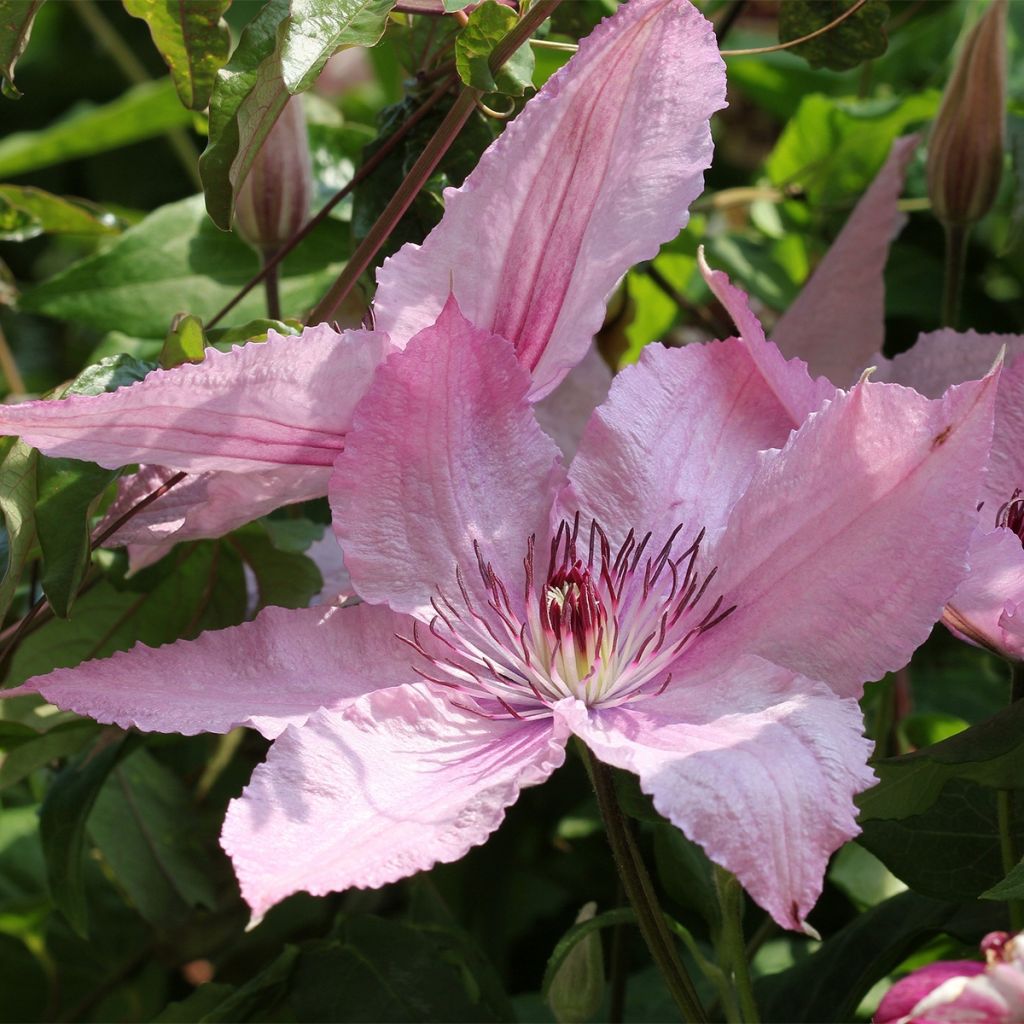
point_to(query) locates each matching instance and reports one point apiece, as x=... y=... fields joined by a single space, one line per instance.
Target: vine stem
x=425 y=165
x=953 y=279
x=732 y=947
x=640 y=892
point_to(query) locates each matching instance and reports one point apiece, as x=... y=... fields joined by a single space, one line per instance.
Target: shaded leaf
x=141 y=112
x=62 y=821
x=177 y=259
x=137 y=823
x=16 y=17
x=193 y=40
x=951 y=850
x=685 y=872
x=284 y=578
x=280 y=53
x=1010 y=888
x=990 y=754
x=829 y=985
x=26 y=212
x=580 y=931
x=487 y=26
x=858 y=38
x=17 y=505
x=40 y=750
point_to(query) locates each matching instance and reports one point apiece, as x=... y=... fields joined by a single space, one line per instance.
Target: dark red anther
x=1011 y=514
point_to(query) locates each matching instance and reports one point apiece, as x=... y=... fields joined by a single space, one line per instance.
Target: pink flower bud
x=965 y=151
x=273 y=202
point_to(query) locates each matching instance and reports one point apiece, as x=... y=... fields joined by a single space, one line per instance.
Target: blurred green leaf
x=23 y=981
x=26 y=212
x=193 y=40
x=17 y=505
x=185 y=342
x=61 y=741
x=858 y=38
x=176 y=259
x=1015 y=144
x=829 y=985
x=990 y=754
x=16 y=17
x=685 y=872
x=62 y=821
x=204 y=1000
x=581 y=931
x=137 y=823
x=281 y=53
x=863 y=877
x=283 y=578
x=487 y=26
x=951 y=850
x=141 y=112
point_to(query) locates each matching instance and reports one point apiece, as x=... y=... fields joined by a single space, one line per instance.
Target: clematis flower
x=988 y=607
x=698 y=598
x=593 y=176
x=962 y=990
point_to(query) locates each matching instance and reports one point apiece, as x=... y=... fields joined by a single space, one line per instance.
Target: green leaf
x=16 y=17
x=137 y=825
x=829 y=985
x=62 y=824
x=26 y=212
x=280 y=54
x=951 y=850
x=204 y=1000
x=59 y=742
x=193 y=40
x=487 y=26
x=141 y=112
x=109 y=374
x=17 y=506
x=989 y=754
x=1010 y=888
x=66 y=490
x=177 y=259
x=1015 y=144
x=185 y=342
x=284 y=578
x=254 y=330
x=832 y=148
x=576 y=934
x=858 y=38
x=685 y=872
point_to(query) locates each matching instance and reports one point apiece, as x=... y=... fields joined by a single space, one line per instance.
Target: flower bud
x=965 y=151
x=577 y=989
x=273 y=202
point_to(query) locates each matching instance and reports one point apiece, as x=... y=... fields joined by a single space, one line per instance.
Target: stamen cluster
x=601 y=628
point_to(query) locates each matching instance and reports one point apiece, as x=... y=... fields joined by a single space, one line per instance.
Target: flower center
x=603 y=628
x=1011 y=514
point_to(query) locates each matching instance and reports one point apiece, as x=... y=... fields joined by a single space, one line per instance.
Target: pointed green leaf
x=193 y=40
x=280 y=54
x=26 y=212
x=16 y=18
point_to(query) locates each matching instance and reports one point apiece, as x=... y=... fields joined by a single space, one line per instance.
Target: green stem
x=640 y=892
x=132 y=68
x=1008 y=851
x=732 y=946
x=618 y=973
x=424 y=166
x=270 y=288
x=953 y=281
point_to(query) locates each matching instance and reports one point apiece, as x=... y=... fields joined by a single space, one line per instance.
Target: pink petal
x=444 y=451
x=901 y=999
x=796 y=391
x=678 y=438
x=267 y=673
x=593 y=176
x=202 y=505
x=564 y=413
x=284 y=402
x=947 y=357
x=849 y=541
x=398 y=782
x=981 y=998
x=996 y=579
x=757 y=765
x=838 y=320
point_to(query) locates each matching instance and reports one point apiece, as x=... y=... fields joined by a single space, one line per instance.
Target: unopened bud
x=965 y=151
x=273 y=202
x=577 y=989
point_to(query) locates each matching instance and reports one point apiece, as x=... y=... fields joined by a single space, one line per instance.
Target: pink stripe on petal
x=444 y=451
x=838 y=320
x=758 y=765
x=593 y=176
x=901 y=999
x=269 y=673
x=397 y=783
x=848 y=542
x=284 y=402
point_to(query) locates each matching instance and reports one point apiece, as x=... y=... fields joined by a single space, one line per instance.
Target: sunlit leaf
x=487 y=26
x=26 y=212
